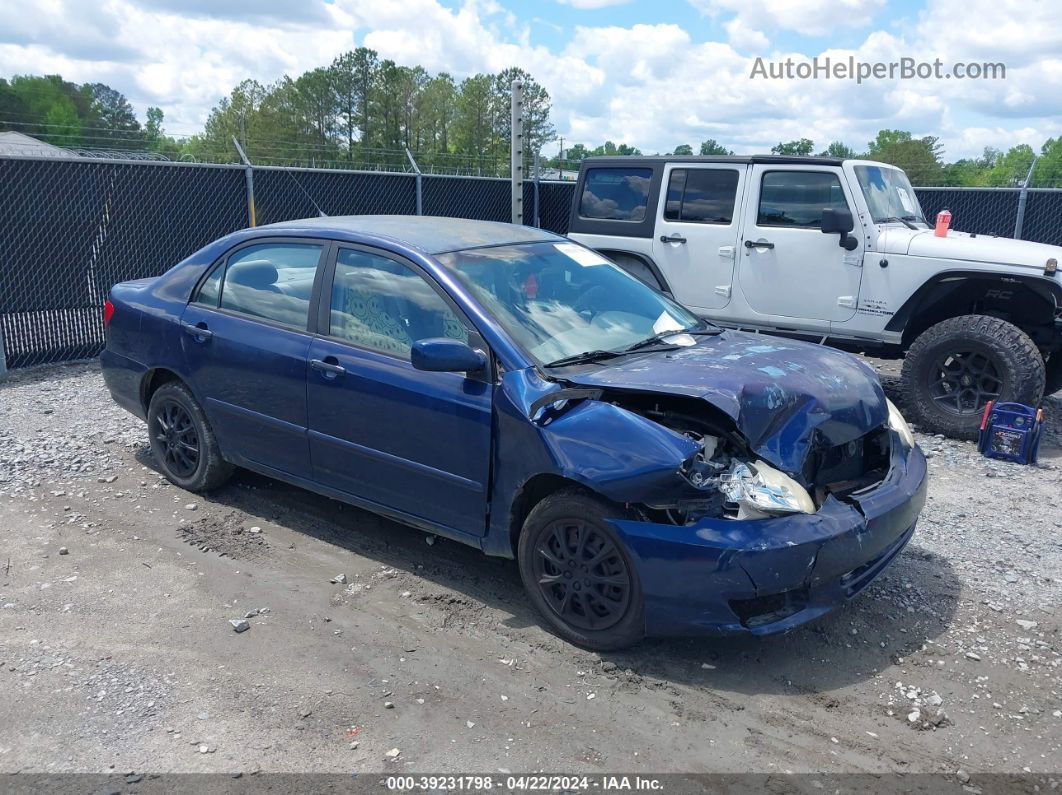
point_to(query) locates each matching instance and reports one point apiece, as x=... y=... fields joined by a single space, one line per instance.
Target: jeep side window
x=701 y=195
x=797 y=198
x=615 y=194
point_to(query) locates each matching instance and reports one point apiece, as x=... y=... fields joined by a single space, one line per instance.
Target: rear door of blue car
x=246 y=336
x=412 y=441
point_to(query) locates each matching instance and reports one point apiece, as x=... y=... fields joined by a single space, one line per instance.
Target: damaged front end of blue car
x=770 y=481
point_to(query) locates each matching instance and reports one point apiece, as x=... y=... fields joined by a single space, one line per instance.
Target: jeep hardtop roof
x=777 y=159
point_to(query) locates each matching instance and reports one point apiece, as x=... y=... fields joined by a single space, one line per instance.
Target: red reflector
x=108 y=313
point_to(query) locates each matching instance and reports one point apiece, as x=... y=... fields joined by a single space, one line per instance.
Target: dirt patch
x=227 y=535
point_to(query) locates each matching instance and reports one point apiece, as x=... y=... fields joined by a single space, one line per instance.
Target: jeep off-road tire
x=955 y=367
x=1053 y=382
x=579 y=573
x=182 y=441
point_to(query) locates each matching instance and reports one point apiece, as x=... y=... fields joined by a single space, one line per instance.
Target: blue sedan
x=507 y=388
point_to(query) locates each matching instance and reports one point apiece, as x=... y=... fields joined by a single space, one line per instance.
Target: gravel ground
x=117 y=653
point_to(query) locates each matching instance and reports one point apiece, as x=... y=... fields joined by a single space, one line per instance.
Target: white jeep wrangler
x=836 y=251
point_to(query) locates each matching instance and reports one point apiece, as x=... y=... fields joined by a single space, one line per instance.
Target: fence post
x=419 y=182
x=249 y=173
x=516 y=146
x=3 y=355
x=538 y=215
x=1019 y=222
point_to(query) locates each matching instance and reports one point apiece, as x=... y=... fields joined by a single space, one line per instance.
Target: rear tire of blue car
x=579 y=573
x=182 y=440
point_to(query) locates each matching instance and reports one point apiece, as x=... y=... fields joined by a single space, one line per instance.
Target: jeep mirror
x=840 y=222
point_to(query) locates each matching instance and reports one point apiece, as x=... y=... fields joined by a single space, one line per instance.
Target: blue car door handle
x=200 y=333
x=326 y=368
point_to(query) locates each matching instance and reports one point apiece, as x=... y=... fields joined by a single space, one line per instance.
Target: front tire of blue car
x=578 y=572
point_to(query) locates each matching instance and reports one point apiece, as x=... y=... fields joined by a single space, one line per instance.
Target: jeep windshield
x=889 y=195
x=566 y=304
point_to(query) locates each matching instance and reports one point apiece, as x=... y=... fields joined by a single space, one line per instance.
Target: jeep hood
x=965 y=247
x=783 y=396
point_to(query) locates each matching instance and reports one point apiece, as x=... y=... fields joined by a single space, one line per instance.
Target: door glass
x=615 y=194
x=210 y=288
x=272 y=281
x=701 y=195
x=797 y=198
x=384 y=305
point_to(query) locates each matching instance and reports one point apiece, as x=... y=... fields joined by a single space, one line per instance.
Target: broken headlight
x=898 y=424
x=760 y=490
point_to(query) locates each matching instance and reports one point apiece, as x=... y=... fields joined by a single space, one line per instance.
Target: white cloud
x=742 y=37
x=590 y=4
x=651 y=85
x=809 y=17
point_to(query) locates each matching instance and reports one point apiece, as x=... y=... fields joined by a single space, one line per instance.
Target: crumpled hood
x=969 y=248
x=780 y=393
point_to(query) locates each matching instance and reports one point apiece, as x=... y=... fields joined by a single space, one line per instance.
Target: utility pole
x=517 y=150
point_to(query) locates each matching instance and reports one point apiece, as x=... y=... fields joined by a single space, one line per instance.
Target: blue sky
x=652 y=73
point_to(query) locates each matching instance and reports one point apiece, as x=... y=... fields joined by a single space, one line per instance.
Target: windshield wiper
x=585 y=357
x=705 y=332
x=914 y=218
x=903 y=221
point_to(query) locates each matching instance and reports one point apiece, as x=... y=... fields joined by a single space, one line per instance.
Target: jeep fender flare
x=616 y=254
x=942 y=284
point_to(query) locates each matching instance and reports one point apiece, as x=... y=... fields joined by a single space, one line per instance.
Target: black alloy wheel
x=177 y=438
x=182 y=441
x=578 y=572
x=964 y=381
x=582 y=575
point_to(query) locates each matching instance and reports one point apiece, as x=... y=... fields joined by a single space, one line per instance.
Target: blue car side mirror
x=445 y=355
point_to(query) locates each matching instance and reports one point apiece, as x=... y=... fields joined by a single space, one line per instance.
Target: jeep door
x=789 y=268
x=697 y=231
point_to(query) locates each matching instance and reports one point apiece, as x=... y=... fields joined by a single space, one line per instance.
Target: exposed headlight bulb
x=763 y=490
x=899 y=424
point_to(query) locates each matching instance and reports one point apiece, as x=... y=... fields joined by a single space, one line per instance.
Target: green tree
x=713 y=147
x=1048 y=170
x=683 y=149
x=1009 y=169
x=474 y=119
x=838 y=149
x=801 y=148
x=112 y=115
x=919 y=157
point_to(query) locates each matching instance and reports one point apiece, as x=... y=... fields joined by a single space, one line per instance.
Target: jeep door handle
x=672 y=239
x=758 y=244
x=199 y=333
x=327 y=369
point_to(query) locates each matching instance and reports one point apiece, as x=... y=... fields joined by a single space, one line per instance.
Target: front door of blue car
x=245 y=338
x=413 y=441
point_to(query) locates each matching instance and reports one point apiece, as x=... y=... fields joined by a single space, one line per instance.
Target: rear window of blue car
x=272 y=281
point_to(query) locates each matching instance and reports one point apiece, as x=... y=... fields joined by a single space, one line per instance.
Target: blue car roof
x=429 y=234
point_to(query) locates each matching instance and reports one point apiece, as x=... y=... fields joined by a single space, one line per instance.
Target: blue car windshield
x=559 y=299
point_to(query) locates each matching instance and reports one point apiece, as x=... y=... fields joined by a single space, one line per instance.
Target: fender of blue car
x=616 y=452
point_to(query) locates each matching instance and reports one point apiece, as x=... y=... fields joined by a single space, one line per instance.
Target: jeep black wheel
x=955 y=367
x=182 y=440
x=577 y=571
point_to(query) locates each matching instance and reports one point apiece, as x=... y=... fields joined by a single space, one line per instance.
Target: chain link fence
x=69 y=228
